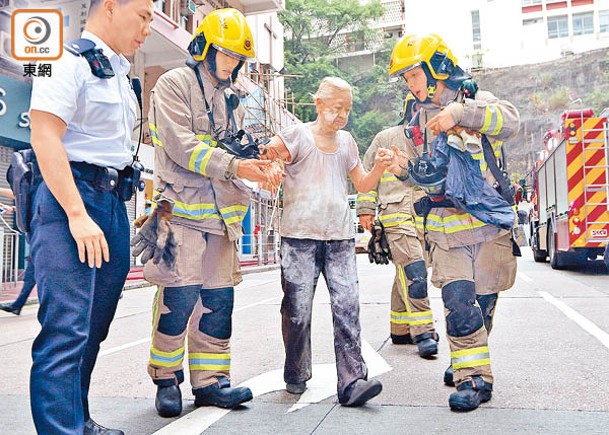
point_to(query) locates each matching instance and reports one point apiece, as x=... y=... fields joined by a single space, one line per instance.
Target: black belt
x=104 y=178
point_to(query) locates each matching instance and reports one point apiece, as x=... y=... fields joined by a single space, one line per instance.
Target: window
x=530 y=2
x=603 y=21
x=532 y=21
x=476 y=37
x=583 y=24
x=558 y=27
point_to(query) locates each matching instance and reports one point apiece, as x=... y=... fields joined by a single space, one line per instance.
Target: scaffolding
x=262 y=97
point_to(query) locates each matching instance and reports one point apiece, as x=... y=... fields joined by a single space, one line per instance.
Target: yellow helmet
x=227 y=31
x=415 y=50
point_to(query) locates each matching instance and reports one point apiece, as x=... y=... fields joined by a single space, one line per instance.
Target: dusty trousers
x=468 y=275
x=302 y=261
x=410 y=309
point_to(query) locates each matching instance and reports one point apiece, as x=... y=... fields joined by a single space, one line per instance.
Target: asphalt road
x=549 y=347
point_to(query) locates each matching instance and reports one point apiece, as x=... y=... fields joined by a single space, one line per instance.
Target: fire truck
x=569 y=220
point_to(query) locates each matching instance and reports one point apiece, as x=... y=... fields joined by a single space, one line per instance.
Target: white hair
x=329 y=86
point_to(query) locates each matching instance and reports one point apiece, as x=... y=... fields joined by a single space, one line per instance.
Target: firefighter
x=411 y=319
x=192 y=114
x=471 y=261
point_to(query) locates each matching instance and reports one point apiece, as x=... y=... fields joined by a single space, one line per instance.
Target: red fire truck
x=570 y=215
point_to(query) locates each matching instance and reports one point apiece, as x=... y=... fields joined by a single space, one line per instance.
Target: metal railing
x=9 y=259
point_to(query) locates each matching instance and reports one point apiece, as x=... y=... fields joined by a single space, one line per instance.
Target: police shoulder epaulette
x=95 y=57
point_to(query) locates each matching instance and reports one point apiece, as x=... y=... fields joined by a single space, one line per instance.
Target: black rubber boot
x=222 y=395
x=449 y=376
x=427 y=344
x=402 y=339
x=361 y=391
x=168 y=401
x=470 y=394
x=92 y=428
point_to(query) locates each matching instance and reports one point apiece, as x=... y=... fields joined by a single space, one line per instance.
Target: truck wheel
x=555 y=256
x=538 y=255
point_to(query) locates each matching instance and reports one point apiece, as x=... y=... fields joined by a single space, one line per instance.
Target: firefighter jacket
x=189 y=168
x=394 y=201
x=498 y=120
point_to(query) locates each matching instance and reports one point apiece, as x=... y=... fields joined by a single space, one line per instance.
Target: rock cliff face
x=541 y=92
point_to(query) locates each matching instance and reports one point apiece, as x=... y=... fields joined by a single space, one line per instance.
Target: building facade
x=501 y=33
x=260 y=87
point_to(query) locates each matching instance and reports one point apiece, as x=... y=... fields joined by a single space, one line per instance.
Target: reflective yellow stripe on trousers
x=409 y=317
x=467 y=358
x=166 y=359
x=209 y=361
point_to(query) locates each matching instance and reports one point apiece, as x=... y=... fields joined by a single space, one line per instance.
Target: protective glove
x=378 y=246
x=155 y=240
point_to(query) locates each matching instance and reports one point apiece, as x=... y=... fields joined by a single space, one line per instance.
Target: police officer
x=192 y=113
x=411 y=320
x=471 y=261
x=82 y=119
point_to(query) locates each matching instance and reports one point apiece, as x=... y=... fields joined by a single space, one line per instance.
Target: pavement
x=135 y=280
x=550 y=347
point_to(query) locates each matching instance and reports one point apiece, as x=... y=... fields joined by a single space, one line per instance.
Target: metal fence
x=9 y=259
x=260 y=245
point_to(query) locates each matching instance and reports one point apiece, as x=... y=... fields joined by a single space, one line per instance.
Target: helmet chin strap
x=432 y=85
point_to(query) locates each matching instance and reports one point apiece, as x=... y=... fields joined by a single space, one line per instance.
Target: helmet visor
x=398 y=74
x=237 y=56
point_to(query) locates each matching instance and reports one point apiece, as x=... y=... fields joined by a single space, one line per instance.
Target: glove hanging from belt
x=378 y=246
x=155 y=240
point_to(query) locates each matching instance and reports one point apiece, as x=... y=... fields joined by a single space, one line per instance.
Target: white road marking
x=123 y=347
x=147 y=339
x=583 y=322
x=323 y=383
x=321 y=386
x=524 y=277
x=254 y=304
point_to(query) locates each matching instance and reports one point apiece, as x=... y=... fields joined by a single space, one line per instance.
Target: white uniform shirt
x=100 y=113
x=315 y=187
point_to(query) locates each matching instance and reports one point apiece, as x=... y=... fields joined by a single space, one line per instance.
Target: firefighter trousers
x=410 y=309
x=469 y=276
x=194 y=303
x=302 y=261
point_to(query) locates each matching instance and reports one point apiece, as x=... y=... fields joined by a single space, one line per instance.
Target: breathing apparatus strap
x=505 y=187
x=210 y=114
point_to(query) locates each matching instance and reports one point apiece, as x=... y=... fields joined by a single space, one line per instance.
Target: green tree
x=313 y=30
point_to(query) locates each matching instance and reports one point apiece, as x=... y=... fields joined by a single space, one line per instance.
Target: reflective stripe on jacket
x=393 y=197
x=498 y=120
x=189 y=167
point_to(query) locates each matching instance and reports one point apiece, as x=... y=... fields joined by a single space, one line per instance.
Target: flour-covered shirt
x=315 y=189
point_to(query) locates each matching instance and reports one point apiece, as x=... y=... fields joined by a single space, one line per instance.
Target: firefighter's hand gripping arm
x=155 y=240
x=378 y=246
x=276 y=154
